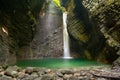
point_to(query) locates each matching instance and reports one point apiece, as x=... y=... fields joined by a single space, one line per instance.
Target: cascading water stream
x=66 y=37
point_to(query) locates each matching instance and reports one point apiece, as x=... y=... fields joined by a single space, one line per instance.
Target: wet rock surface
x=83 y=73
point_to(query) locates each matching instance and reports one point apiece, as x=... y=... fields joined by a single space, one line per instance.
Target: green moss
x=58 y=4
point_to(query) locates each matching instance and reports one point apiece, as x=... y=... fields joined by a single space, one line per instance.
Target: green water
x=58 y=63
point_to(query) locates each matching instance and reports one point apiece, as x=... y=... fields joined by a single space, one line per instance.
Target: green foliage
x=57 y=2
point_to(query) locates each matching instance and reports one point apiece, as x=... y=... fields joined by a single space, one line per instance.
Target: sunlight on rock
x=5 y=30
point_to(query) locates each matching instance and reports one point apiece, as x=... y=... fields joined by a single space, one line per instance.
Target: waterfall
x=65 y=37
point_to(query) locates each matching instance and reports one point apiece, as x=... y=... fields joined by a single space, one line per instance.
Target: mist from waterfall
x=65 y=37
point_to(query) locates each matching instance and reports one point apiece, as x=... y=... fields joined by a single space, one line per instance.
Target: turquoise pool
x=58 y=63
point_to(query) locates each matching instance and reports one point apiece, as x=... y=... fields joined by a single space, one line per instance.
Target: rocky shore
x=36 y=73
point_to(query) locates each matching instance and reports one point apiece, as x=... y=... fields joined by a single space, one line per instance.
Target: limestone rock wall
x=48 y=40
x=19 y=18
x=86 y=40
x=6 y=57
x=106 y=14
x=85 y=19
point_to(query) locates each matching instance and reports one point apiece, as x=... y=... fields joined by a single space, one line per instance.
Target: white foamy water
x=66 y=38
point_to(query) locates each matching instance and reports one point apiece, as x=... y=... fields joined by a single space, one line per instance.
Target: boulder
x=116 y=65
x=39 y=78
x=47 y=77
x=73 y=78
x=67 y=72
x=12 y=71
x=34 y=75
x=59 y=74
x=1 y=69
x=6 y=78
x=29 y=70
x=67 y=76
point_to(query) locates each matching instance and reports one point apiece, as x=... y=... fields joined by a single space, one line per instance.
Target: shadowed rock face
x=84 y=24
x=5 y=43
x=83 y=32
x=19 y=19
x=106 y=14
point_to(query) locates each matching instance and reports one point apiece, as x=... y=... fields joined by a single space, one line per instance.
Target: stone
x=94 y=73
x=1 y=73
x=39 y=78
x=6 y=78
x=47 y=77
x=76 y=74
x=47 y=70
x=58 y=78
x=1 y=68
x=59 y=74
x=40 y=73
x=14 y=68
x=67 y=72
x=36 y=69
x=5 y=66
x=83 y=78
x=21 y=74
x=20 y=77
x=11 y=71
x=67 y=76
x=29 y=70
x=73 y=78
x=34 y=74
x=101 y=79
x=116 y=65
x=118 y=52
x=29 y=78
x=26 y=77
x=15 y=79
